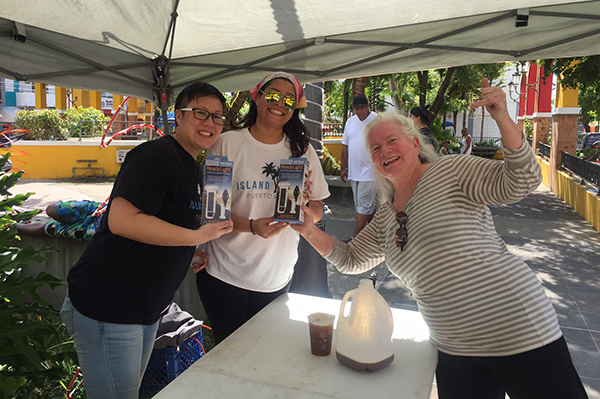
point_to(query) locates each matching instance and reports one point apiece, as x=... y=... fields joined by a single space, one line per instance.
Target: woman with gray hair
x=495 y=329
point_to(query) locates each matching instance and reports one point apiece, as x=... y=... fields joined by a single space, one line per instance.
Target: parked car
x=589 y=140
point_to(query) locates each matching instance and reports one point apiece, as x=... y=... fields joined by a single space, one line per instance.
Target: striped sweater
x=477 y=298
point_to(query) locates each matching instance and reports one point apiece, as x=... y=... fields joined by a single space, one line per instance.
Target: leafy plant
x=454 y=147
x=331 y=167
x=35 y=352
x=86 y=122
x=45 y=124
x=589 y=154
x=528 y=125
x=440 y=133
x=487 y=143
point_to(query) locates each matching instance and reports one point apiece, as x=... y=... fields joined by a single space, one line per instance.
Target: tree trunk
x=398 y=103
x=454 y=119
x=358 y=86
x=440 y=97
x=423 y=77
x=482 y=122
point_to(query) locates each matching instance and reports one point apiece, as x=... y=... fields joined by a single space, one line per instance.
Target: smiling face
x=193 y=134
x=393 y=152
x=275 y=114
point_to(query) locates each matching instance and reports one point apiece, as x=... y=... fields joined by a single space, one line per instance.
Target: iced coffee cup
x=321 y=333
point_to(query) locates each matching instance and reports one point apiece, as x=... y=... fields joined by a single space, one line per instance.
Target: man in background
x=466 y=143
x=356 y=163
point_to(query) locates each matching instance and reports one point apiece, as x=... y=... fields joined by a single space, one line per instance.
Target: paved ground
x=558 y=244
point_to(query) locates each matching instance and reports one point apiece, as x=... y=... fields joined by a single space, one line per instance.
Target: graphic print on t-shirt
x=271 y=170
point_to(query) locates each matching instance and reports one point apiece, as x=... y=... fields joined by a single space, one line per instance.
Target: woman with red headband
x=255 y=263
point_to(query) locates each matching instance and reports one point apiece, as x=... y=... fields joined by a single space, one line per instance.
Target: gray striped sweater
x=477 y=298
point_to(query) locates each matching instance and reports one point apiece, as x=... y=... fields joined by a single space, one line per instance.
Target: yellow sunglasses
x=273 y=97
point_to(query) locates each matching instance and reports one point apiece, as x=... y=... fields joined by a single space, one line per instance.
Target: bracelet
x=251 y=229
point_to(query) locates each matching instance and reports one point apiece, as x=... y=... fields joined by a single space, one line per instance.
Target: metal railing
x=332 y=130
x=95 y=129
x=588 y=171
x=544 y=149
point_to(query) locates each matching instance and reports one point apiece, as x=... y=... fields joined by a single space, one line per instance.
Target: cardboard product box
x=216 y=194
x=293 y=173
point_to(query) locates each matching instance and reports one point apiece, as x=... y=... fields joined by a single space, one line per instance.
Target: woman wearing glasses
x=140 y=255
x=252 y=266
x=488 y=315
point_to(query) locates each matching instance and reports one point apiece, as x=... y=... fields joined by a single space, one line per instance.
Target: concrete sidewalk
x=557 y=243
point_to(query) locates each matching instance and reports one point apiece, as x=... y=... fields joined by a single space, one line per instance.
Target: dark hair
x=196 y=90
x=294 y=129
x=421 y=112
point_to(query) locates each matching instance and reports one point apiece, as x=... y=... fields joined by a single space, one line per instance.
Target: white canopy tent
x=152 y=49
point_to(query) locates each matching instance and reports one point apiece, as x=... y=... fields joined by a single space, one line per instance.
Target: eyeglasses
x=401 y=233
x=202 y=115
x=273 y=97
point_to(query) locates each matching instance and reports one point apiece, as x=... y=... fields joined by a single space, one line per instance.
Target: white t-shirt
x=245 y=260
x=359 y=159
x=464 y=144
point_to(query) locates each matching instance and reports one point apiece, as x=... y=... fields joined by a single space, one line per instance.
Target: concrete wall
x=335 y=147
x=59 y=264
x=56 y=159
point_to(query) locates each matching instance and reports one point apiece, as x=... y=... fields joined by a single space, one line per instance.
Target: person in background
x=250 y=267
x=495 y=329
x=78 y=220
x=466 y=143
x=444 y=148
x=138 y=258
x=356 y=163
x=420 y=116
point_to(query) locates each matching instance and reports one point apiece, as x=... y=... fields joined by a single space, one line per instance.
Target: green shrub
x=454 y=147
x=87 y=121
x=45 y=124
x=589 y=154
x=488 y=143
x=37 y=356
x=528 y=125
x=331 y=167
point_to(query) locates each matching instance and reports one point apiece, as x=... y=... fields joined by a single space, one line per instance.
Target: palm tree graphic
x=270 y=170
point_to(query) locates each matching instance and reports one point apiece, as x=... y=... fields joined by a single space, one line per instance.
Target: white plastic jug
x=364 y=337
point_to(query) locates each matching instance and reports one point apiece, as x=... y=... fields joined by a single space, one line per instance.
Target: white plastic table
x=269 y=357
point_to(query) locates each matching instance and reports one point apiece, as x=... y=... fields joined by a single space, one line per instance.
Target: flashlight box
x=293 y=173
x=216 y=194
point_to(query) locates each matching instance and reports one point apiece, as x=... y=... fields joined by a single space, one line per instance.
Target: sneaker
x=347 y=240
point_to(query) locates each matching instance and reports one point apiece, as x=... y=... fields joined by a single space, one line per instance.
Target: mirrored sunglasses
x=273 y=97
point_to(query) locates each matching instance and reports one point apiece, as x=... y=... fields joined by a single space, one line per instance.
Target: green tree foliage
x=448 y=90
x=36 y=357
x=582 y=73
x=45 y=124
x=87 y=122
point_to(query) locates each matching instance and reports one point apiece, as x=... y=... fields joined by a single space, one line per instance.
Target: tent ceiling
x=114 y=46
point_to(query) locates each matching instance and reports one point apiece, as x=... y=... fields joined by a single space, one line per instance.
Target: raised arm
x=494 y=100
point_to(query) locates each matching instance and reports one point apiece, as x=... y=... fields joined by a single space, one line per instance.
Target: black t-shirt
x=119 y=280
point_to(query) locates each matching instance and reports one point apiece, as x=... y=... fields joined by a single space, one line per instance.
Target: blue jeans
x=112 y=357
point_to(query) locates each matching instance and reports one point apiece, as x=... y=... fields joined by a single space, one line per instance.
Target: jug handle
x=344 y=300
